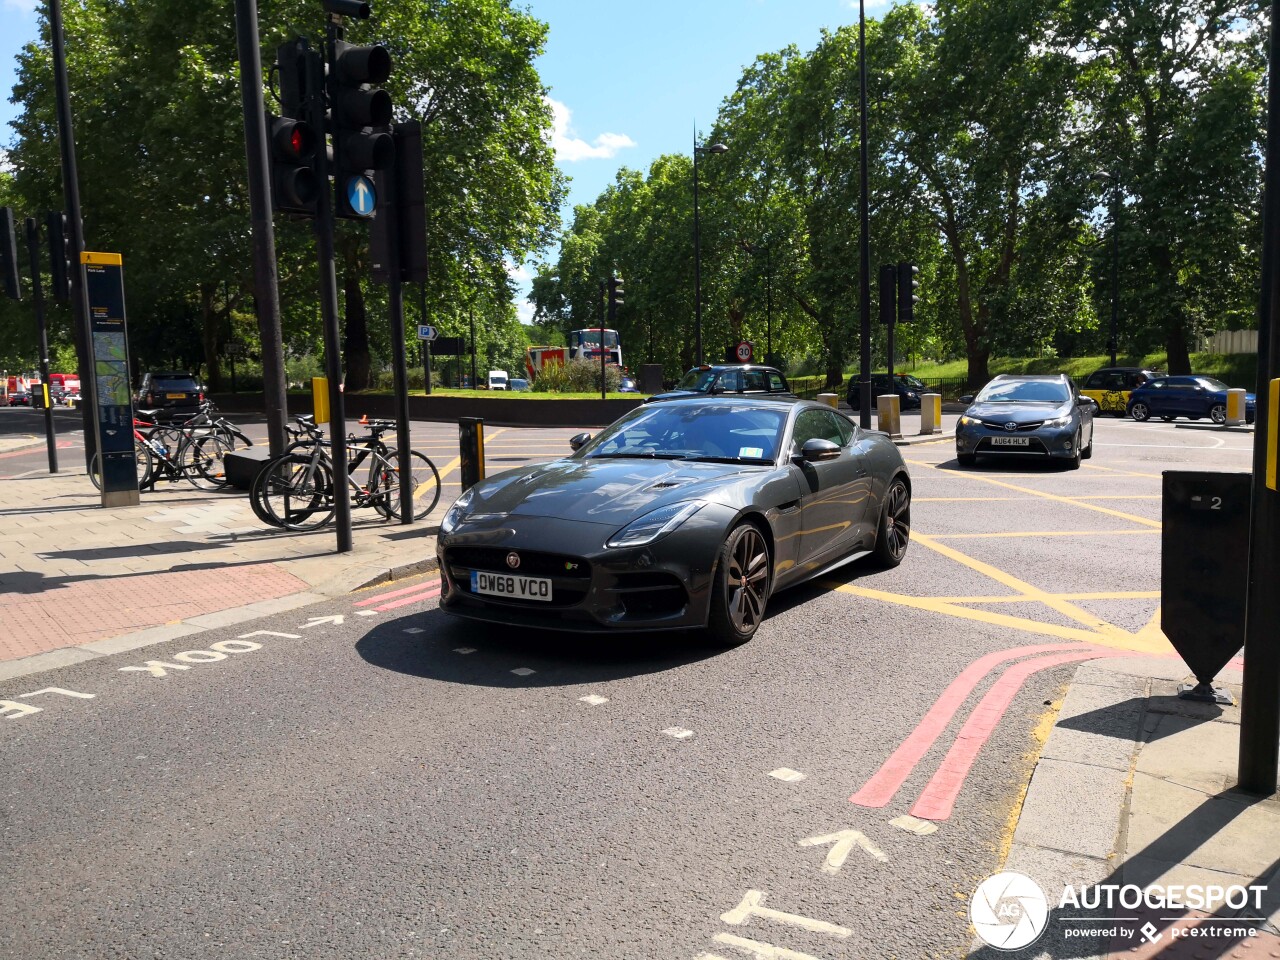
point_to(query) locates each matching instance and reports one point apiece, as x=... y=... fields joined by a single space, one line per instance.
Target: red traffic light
x=292 y=139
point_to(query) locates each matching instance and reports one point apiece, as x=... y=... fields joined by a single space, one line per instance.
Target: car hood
x=1018 y=412
x=676 y=394
x=605 y=491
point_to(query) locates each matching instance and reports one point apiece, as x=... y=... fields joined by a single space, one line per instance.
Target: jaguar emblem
x=513 y=560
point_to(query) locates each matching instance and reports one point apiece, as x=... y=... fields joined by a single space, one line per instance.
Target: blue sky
x=628 y=81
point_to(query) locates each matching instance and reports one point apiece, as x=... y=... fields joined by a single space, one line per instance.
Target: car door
x=1181 y=399
x=834 y=493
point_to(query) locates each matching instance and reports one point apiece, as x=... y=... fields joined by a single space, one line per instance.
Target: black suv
x=743 y=378
x=174 y=394
x=908 y=389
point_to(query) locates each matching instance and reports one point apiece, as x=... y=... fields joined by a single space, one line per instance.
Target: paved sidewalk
x=79 y=581
x=1136 y=786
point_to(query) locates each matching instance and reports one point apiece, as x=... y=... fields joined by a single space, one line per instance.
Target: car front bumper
x=979 y=439
x=665 y=585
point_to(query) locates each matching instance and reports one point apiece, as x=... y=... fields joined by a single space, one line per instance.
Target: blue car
x=1042 y=417
x=1195 y=397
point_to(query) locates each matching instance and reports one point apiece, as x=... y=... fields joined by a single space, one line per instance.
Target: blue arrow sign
x=427 y=333
x=361 y=196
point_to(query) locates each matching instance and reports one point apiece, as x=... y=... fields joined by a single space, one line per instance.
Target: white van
x=497 y=379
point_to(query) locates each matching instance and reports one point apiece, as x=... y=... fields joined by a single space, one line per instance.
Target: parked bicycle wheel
x=202 y=461
x=425 y=481
x=142 y=453
x=295 y=493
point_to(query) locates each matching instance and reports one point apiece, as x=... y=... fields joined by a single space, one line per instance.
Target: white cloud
x=22 y=6
x=570 y=148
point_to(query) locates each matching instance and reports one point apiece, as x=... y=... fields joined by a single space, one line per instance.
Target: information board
x=113 y=406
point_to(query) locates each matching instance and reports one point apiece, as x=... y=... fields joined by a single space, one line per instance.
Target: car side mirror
x=818 y=450
x=578 y=441
x=1085 y=401
x=967 y=398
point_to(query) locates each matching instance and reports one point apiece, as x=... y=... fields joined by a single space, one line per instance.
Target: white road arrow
x=842 y=844
x=337 y=620
x=269 y=633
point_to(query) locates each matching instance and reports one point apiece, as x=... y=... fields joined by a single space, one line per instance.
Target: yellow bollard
x=320 y=399
x=830 y=399
x=890 y=415
x=930 y=413
x=1235 y=407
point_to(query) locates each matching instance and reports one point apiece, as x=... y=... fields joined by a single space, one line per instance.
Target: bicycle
x=296 y=490
x=197 y=460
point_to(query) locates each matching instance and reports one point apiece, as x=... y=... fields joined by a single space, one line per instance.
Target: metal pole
x=1115 y=266
x=37 y=297
x=266 y=293
x=329 y=299
x=1260 y=699
x=426 y=344
x=697 y=264
x=471 y=315
x=604 y=299
x=71 y=200
x=864 y=242
x=389 y=203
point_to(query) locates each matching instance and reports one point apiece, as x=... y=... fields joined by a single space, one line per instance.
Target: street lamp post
x=1115 y=266
x=697 y=249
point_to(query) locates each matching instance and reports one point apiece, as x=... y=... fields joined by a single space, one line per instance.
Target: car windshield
x=699 y=380
x=1024 y=391
x=717 y=432
x=187 y=384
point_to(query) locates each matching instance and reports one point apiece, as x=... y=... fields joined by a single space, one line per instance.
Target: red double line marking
x=939 y=796
x=406 y=595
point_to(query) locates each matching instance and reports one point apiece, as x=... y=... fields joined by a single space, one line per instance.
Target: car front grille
x=570 y=576
x=998 y=425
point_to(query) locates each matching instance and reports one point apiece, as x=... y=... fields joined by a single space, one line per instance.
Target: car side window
x=1095 y=381
x=753 y=380
x=820 y=425
x=731 y=380
x=775 y=381
x=1115 y=381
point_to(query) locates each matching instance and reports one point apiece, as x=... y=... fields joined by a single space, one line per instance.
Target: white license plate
x=507 y=585
x=1011 y=441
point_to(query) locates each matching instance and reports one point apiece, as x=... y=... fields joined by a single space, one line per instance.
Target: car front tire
x=966 y=459
x=740 y=590
x=893 y=535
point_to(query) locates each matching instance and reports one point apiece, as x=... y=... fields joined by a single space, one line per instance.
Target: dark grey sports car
x=684 y=514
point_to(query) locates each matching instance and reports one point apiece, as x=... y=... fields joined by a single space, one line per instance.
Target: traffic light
x=398 y=236
x=888 y=288
x=9 y=254
x=294 y=185
x=359 y=112
x=60 y=255
x=907 y=286
x=616 y=293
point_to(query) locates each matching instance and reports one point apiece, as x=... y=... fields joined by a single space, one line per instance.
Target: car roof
x=1125 y=370
x=1031 y=376
x=733 y=366
x=758 y=400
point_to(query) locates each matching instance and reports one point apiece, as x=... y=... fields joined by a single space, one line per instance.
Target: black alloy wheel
x=893 y=535
x=741 y=587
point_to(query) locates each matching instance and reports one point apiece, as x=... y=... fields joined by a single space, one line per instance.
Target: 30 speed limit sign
x=743 y=352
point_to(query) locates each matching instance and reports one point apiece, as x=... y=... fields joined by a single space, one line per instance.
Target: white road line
x=414 y=630
x=787 y=775
x=680 y=733
x=523 y=671
x=842 y=844
x=752 y=905
x=758 y=949
x=366 y=613
x=594 y=700
x=464 y=650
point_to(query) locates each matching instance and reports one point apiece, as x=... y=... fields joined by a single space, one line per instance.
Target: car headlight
x=655 y=524
x=964 y=421
x=454 y=515
x=1062 y=421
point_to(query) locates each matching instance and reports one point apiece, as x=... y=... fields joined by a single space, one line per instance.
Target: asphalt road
x=369 y=778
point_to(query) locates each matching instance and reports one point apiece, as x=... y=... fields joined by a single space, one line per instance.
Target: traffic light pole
x=71 y=199
x=266 y=292
x=1260 y=697
x=864 y=240
x=329 y=301
x=426 y=344
x=37 y=297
